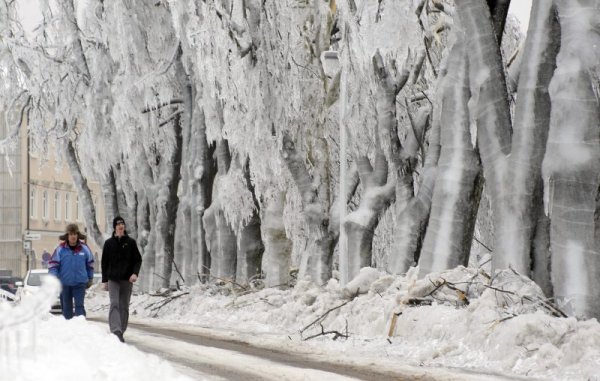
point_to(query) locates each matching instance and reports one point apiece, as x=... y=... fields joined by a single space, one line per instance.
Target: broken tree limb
x=320 y=318
x=336 y=334
x=393 y=323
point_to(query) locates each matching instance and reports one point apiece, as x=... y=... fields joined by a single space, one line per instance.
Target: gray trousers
x=119 y=293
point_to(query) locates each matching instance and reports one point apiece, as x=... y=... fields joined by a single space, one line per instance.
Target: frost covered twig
x=156 y=306
x=305 y=67
x=170 y=118
x=14 y=130
x=178 y=272
x=555 y=311
x=336 y=334
x=320 y=318
x=482 y=244
x=224 y=280
x=156 y=107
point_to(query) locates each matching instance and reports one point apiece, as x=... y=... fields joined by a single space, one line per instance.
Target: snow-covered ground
x=501 y=327
x=35 y=346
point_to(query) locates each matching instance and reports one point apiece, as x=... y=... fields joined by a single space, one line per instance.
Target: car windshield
x=35 y=279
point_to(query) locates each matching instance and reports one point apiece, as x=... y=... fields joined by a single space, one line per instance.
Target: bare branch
x=223 y=280
x=14 y=130
x=336 y=334
x=154 y=108
x=178 y=272
x=320 y=318
x=170 y=118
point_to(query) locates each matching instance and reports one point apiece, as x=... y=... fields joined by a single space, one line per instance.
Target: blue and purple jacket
x=72 y=266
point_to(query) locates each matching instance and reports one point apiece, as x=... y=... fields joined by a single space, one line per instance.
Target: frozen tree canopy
x=252 y=140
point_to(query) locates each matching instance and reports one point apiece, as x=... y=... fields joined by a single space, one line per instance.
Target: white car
x=32 y=283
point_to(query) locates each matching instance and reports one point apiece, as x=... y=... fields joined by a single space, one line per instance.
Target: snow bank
x=458 y=318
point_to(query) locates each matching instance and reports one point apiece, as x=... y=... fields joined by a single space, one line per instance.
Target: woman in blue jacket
x=73 y=264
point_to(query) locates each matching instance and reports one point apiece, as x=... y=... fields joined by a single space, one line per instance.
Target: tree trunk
x=411 y=221
x=126 y=199
x=541 y=264
x=221 y=243
x=250 y=246
x=488 y=90
x=220 y=236
x=411 y=224
x=572 y=163
x=202 y=184
x=519 y=201
x=167 y=205
x=186 y=248
x=449 y=235
x=499 y=11
x=250 y=251
x=388 y=87
x=276 y=261
x=111 y=205
x=146 y=218
x=146 y=242
x=361 y=223
x=316 y=260
x=84 y=194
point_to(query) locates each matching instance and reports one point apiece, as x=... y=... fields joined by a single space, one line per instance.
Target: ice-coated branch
x=161 y=105
x=170 y=118
x=14 y=128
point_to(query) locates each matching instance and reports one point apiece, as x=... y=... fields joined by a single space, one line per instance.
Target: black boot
x=119 y=334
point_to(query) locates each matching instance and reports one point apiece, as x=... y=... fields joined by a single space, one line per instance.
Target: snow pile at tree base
x=458 y=318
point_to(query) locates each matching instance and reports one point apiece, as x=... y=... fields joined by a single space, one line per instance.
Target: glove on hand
x=89 y=283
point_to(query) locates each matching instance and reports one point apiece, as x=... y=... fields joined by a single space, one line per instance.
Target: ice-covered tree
x=571 y=166
x=52 y=69
x=218 y=131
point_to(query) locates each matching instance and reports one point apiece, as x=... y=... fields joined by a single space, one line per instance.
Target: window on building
x=45 y=205
x=67 y=207
x=78 y=209
x=33 y=203
x=57 y=206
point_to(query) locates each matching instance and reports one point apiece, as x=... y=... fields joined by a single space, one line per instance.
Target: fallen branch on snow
x=156 y=306
x=336 y=334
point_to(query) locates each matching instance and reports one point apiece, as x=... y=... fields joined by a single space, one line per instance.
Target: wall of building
x=52 y=204
x=11 y=245
x=37 y=201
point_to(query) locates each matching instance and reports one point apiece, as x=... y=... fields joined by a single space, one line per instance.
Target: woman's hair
x=72 y=228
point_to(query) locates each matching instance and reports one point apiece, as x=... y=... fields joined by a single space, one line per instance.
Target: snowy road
x=209 y=358
x=205 y=357
x=203 y=360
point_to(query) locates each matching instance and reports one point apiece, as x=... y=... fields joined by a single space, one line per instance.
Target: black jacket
x=120 y=258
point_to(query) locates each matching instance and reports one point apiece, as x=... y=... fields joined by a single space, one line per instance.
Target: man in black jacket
x=121 y=263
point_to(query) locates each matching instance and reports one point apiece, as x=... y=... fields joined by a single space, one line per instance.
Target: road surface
x=206 y=357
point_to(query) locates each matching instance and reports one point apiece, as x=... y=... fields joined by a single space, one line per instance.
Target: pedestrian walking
x=73 y=264
x=121 y=263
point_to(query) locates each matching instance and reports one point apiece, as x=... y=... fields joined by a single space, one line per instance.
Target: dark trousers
x=119 y=293
x=70 y=293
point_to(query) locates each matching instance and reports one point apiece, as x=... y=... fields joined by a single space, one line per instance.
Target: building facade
x=37 y=200
x=11 y=218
